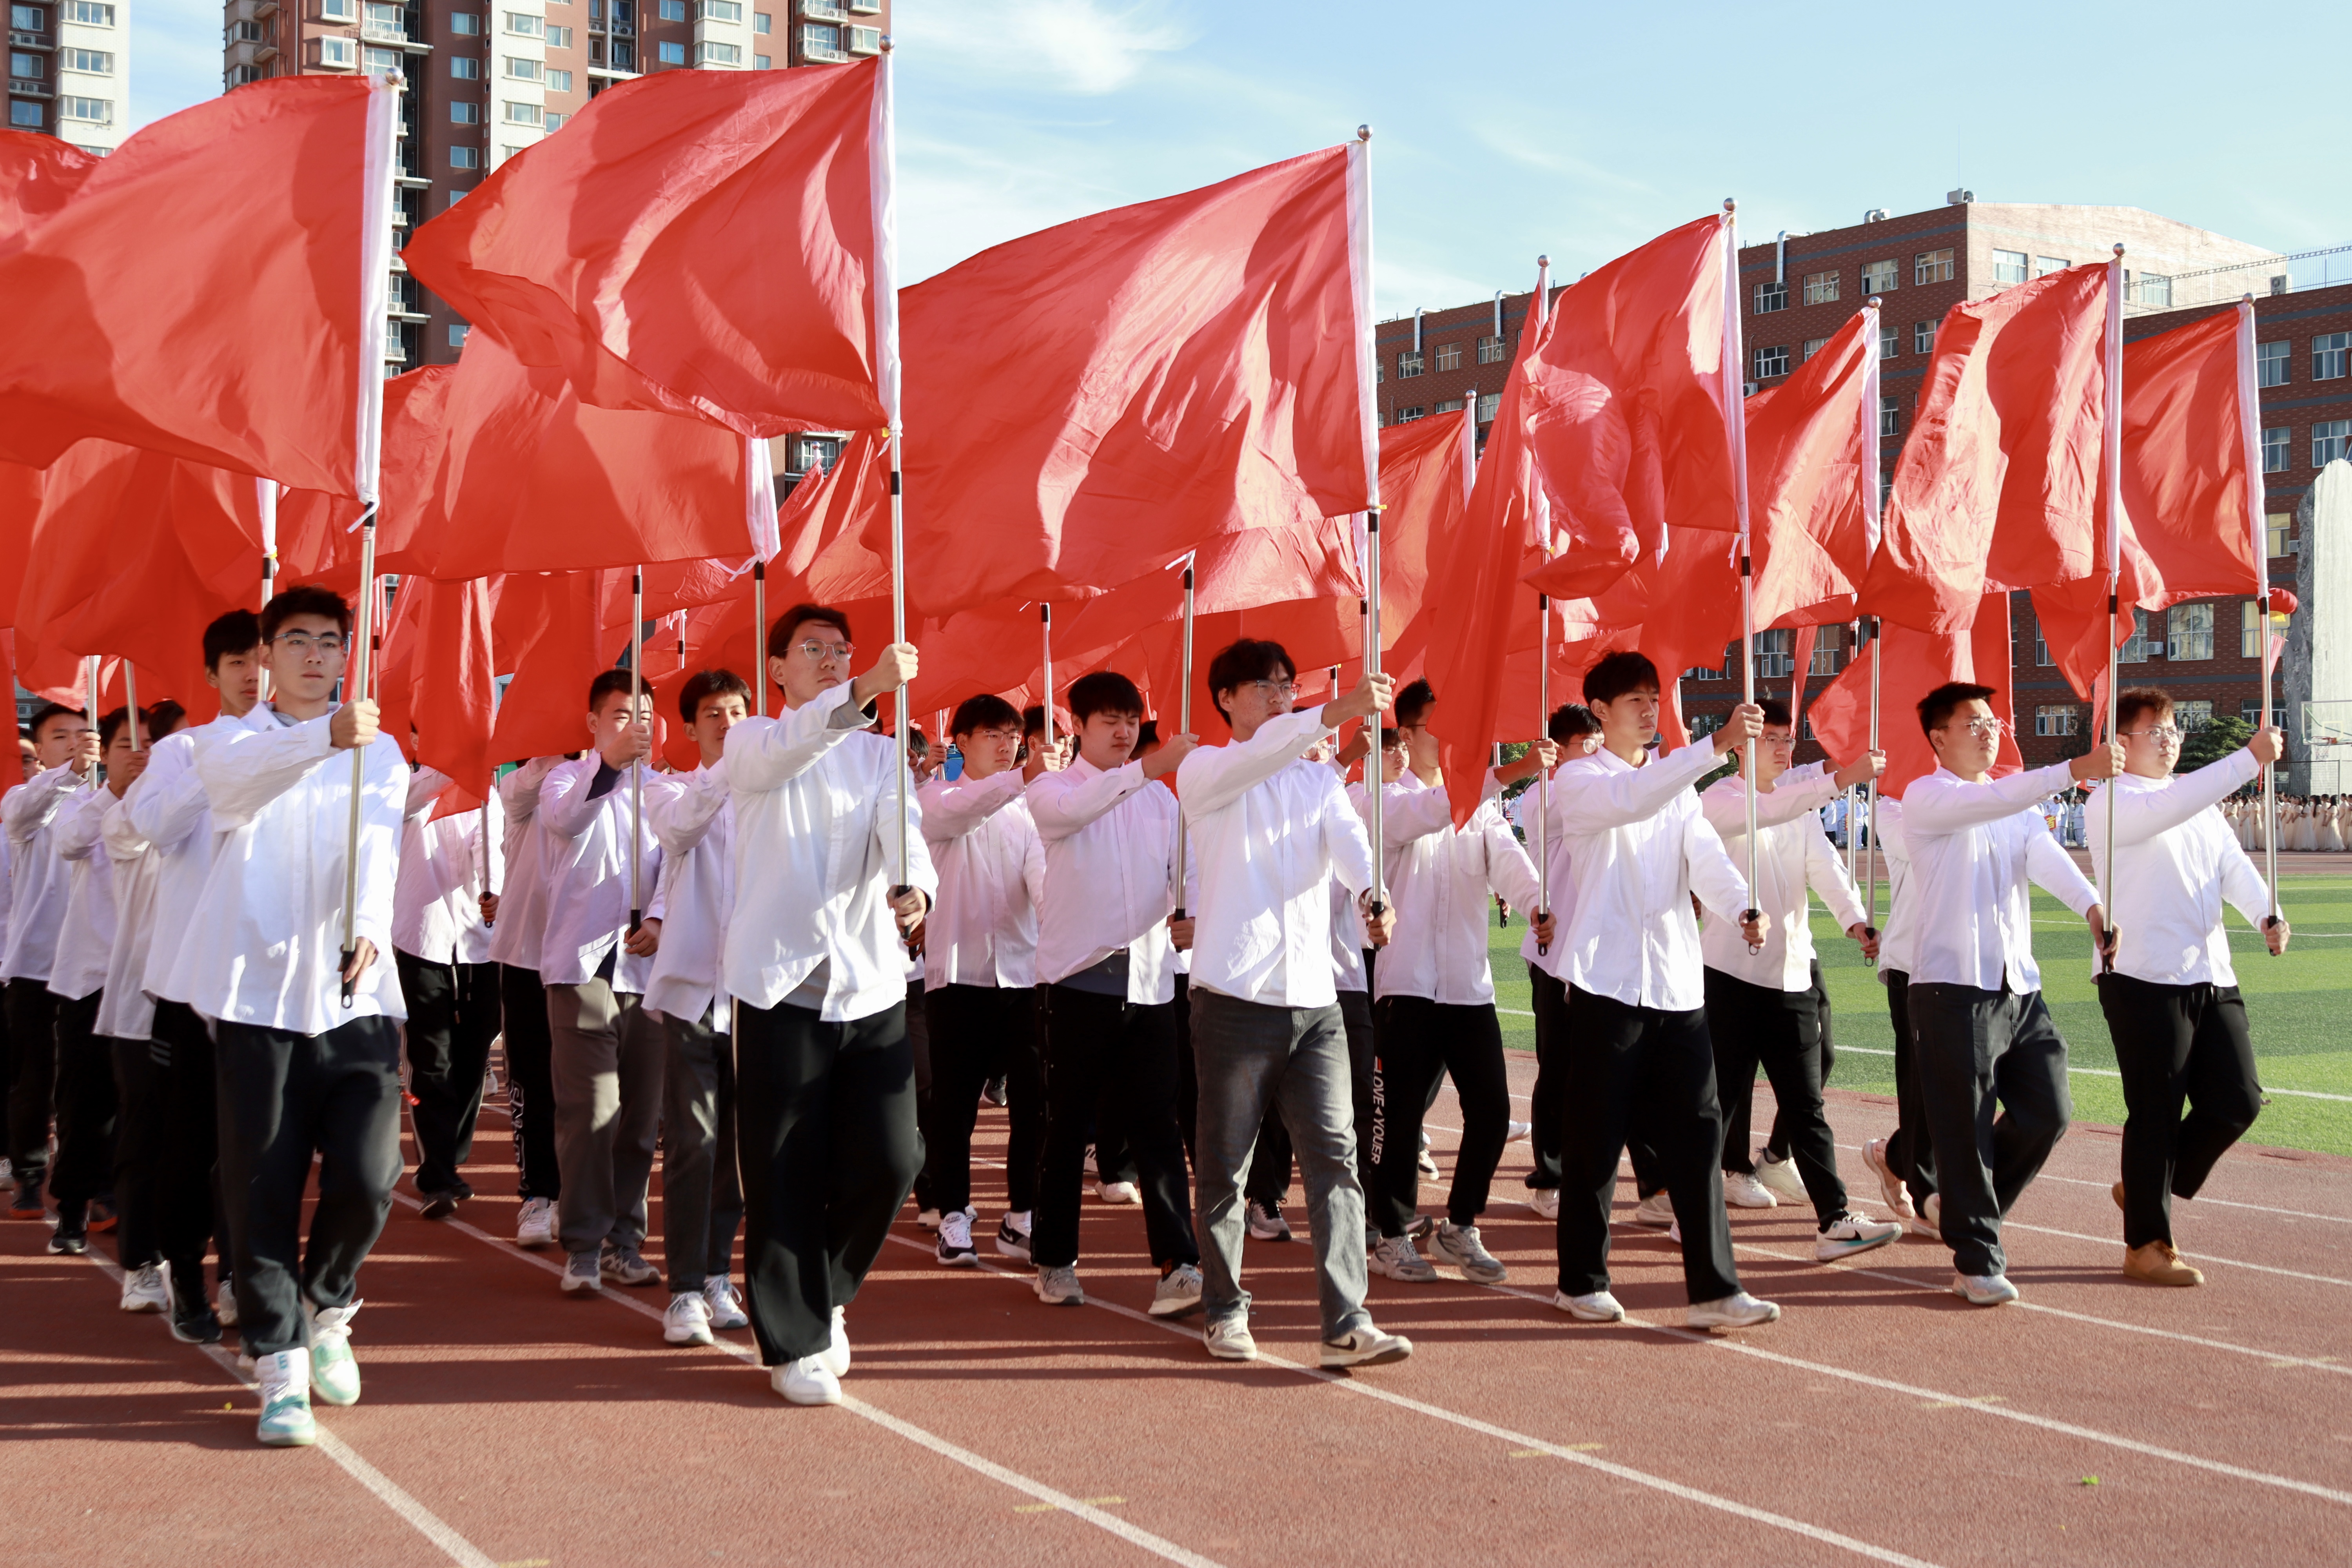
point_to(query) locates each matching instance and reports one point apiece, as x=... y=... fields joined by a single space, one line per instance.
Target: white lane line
x=2201 y=1198
x=1061 y=1502
x=2200 y=1257
x=1503 y=1434
x=2107 y=1072
x=423 y=1519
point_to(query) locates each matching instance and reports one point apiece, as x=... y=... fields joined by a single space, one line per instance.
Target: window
x=671 y=54
x=96 y=110
x=559 y=81
x=383 y=19
x=1407 y=415
x=1488 y=403
x=1449 y=405
x=521 y=69
x=1813 y=347
x=456 y=197
x=465 y=157
x=2329 y=352
x=554 y=121
x=2153 y=289
x=1408 y=364
x=2190 y=633
x=1890 y=418
x=1490 y=351
x=2250 y=632
x=1701 y=672
x=338 y=10
x=457 y=330
x=29 y=18
x=88 y=13
x=2251 y=710
x=1820 y=287
x=2275 y=452
x=1776 y=654
x=1771 y=297
x=820 y=42
x=464 y=69
x=2135 y=651
x=1825 y=659
x=466 y=24
x=380 y=62
x=2192 y=716
x=22 y=112
x=523 y=24
x=671 y=10
x=1879 y=277
x=2044 y=265
x=624 y=55
x=1449 y=356
x=559 y=37
x=525 y=114
x=338 y=52
x=708 y=54
x=2057 y=721
x=1932 y=267
x=720 y=10
x=761 y=23
x=2009 y=267
x=1890 y=343
x=2275 y=526
x=1923 y=337
x=2328 y=437
x=465 y=114
x=1702 y=725
x=1772 y=361
x=2270 y=363
x=2040 y=644
x=762 y=62
x=28 y=67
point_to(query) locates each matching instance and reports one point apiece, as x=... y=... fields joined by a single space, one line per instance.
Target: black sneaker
x=69 y=1241
x=193 y=1322
x=992 y=1092
x=439 y=1206
x=27 y=1204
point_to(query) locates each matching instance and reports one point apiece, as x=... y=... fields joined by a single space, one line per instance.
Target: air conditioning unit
x=1747 y=389
x=1958 y=199
x=1875 y=215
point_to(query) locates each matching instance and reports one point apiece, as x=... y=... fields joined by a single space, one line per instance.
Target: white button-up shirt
x=168 y=809
x=86 y=939
x=992 y=867
x=1271 y=831
x=586 y=845
x=693 y=815
x=1792 y=853
x=521 y=929
x=1894 y=934
x=1638 y=848
x=2176 y=862
x=264 y=945
x=1110 y=875
x=1973 y=849
x=126 y=1012
x=437 y=901
x=1552 y=960
x=1439 y=879
x=38 y=881
x=816 y=853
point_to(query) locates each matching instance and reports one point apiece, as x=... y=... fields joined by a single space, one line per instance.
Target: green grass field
x=2288 y=1002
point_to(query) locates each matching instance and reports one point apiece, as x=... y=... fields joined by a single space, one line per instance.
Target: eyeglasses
x=817 y=652
x=1002 y=737
x=304 y=643
x=2163 y=734
x=1985 y=728
x=1273 y=689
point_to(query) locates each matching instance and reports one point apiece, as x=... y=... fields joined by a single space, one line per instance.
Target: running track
x=1880 y=1420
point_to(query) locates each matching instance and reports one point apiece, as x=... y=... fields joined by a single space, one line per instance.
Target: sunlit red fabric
x=1917 y=663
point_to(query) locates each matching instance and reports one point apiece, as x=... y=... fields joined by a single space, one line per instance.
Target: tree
x=2214 y=741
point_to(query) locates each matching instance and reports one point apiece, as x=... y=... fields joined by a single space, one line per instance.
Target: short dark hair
x=1104 y=691
x=1251 y=658
x=163 y=718
x=1936 y=708
x=705 y=684
x=1776 y=712
x=2135 y=701
x=1618 y=673
x=47 y=711
x=110 y=726
x=1572 y=722
x=788 y=626
x=239 y=631
x=1389 y=736
x=1412 y=702
x=308 y=599
x=607 y=682
x=1033 y=720
x=1147 y=738
x=985 y=712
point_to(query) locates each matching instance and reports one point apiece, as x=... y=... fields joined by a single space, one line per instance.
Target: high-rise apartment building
x=69 y=71
x=487 y=78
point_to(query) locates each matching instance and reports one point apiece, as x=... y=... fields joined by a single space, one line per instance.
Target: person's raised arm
x=2142 y=814
x=680 y=808
x=1935 y=805
x=764 y=754
x=519 y=791
x=247 y=769
x=1407 y=814
x=29 y=809
x=1215 y=777
x=953 y=807
x=565 y=808
x=1062 y=803
x=79 y=824
x=168 y=803
x=1587 y=800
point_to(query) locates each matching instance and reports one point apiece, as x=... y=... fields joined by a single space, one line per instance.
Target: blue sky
x=1506 y=130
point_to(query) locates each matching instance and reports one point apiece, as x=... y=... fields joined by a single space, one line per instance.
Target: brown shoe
x=2118 y=1189
x=2157 y=1264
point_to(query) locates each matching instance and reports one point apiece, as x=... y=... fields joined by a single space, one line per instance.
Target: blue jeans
x=1250 y=1056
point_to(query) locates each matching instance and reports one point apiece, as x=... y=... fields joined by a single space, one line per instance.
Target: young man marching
x=1904 y=1160
x=980 y=971
x=1106 y=954
x=1761 y=1006
x=1436 y=998
x=606 y=1058
x=1979 y=1026
x=702 y=1197
x=1641 y=1064
x=300 y=1070
x=1272 y=831
x=443 y=949
x=516 y=917
x=39 y=883
x=1575 y=733
x=2172 y=1002
x=816 y=960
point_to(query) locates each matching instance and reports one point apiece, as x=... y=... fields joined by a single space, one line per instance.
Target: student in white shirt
x=1106 y=955
x=517 y=916
x=980 y=971
x=1904 y=1160
x=1575 y=731
x=300 y=1070
x=816 y=961
x=1978 y=1023
x=1762 y=1006
x=702 y=1195
x=442 y=950
x=606 y=1055
x=1271 y=833
x=1641 y=1064
x=2172 y=1003
x=1435 y=998
x=37 y=883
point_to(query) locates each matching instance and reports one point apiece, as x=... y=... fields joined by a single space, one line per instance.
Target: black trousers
x=84 y=1168
x=977 y=1033
x=1095 y=1043
x=1780 y=1030
x=1421 y=1041
x=1992 y=1069
x=191 y=1215
x=1735 y=1121
x=452 y=1016
x=918 y=1039
x=1545 y=1100
x=1638 y=1072
x=282 y=1098
x=142 y=1095
x=2177 y=1044
x=825 y=1131
x=32 y=1009
x=530 y=1081
x=1910 y=1154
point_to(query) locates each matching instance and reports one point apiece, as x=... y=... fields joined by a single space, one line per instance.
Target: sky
x=1508 y=130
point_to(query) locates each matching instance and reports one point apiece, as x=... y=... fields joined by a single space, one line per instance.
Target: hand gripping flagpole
x=90 y=677
x=886 y=334
x=355 y=686
x=636 y=769
x=1871 y=524
x=1735 y=426
x=1045 y=632
x=131 y=704
x=2251 y=440
x=1184 y=725
x=759 y=638
x=1543 y=654
x=2110 y=471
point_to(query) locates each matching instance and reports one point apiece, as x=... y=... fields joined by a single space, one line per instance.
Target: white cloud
x=1081 y=47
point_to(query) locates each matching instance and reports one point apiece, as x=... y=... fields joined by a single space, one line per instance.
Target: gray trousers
x=1250 y=1056
x=606 y=1066
x=702 y=1193
x=1992 y=1073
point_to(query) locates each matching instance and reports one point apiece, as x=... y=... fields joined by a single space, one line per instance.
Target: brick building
x=486 y=79
x=69 y=71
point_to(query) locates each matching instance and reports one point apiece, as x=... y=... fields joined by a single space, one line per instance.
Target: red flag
x=710 y=243
x=1086 y=404
x=214 y=290
x=547 y=634
x=1917 y=663
x=439 y=675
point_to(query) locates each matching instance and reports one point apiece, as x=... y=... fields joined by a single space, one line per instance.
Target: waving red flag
x=708 y=243
x=1917 y=663
x=439 y=674
x=214 y=289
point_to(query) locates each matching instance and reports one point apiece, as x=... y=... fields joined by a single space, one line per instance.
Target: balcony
x=24 y=87
x=29 y=41
x=824 y=11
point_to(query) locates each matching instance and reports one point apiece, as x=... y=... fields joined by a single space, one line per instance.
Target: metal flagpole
x=131 y=704
x=1870 y=797
x=636 y=769
x=1735 y=425
x=898 y=635
x=1871 y=437
x=1543 y=654
x=90 y=680
x=1045 y=629
x=355 y=685
x=759 y=638
x=2111 y=468
x=1361 y=225
x=1184 y=725
x=2250 y=435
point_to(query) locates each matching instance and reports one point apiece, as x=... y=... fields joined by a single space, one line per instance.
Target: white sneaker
x=285 y=1380
x=535 y=1226
x=1984 y=1290
x=687 y=1321
x=1460 y=1245
x=835 y=1356
x=1675 y=1233
x=1397 y=1257
x=955 y=1249
x=805 y=1382
x=334 y=1371
x=1089 y=1164
x=1600 y=1306
x=1545 y=1201
x=1365 y=1346
x=1012 y=1235
x=1850 y=1233
x=224 y=1304
x=1743 y=1191
x=1929 y=1222
x=1265 y=1222
x=1779 y=1178
x=1229 y=1339
x=1890 y=1186
x=143 y=1291
x=1737 y=1310
x=1178 y=1292
x=1658 y=1208
x=1121 y=1193
x=1426 y=1163
x=725 y=1302
x=1517 y=1131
